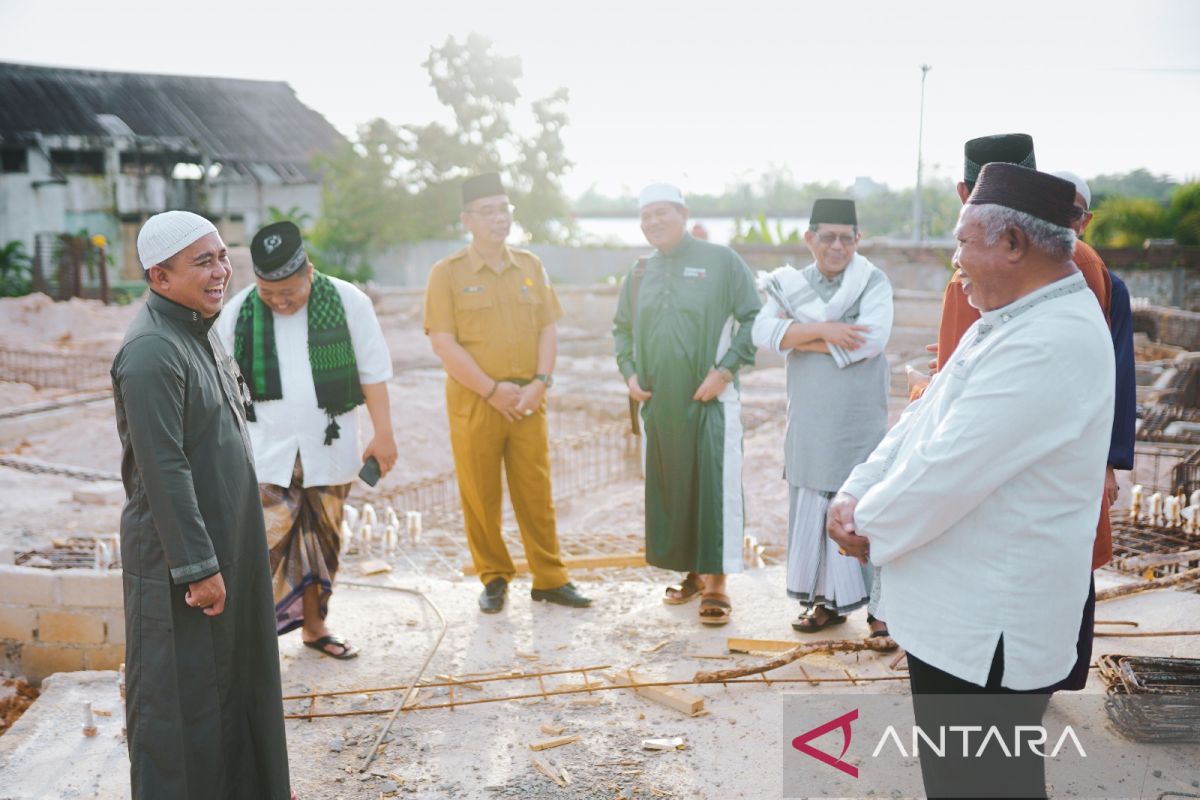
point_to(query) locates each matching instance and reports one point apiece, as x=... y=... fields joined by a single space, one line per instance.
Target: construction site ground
x=481 y=750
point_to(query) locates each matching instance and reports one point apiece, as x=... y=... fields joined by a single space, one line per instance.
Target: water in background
x=628 y=231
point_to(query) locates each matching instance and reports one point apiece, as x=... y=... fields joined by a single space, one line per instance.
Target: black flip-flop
x=319 y=645
x=807 y=623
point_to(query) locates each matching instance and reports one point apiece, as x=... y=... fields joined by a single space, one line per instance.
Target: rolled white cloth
x=816 y=572
x=167 y=233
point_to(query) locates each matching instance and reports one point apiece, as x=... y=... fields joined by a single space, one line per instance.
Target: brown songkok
x=1037 y=194
x=487 y=184
x=1011 y=148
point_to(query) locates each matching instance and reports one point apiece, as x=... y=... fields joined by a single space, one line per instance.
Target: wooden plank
x=557 y=741
x=579 y=562
x=1158 y=559
x=669 y=696
x=760 y=645
x=374 y=567
x=1147 y=586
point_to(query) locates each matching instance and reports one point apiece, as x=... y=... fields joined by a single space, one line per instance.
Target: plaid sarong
x=304 y=539
x=330 y=352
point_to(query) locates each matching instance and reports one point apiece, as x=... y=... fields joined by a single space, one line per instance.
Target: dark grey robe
x=203 y=705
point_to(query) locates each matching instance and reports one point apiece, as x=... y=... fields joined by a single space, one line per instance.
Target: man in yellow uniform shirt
x=491 y=314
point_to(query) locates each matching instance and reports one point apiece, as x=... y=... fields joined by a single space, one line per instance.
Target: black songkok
x=1010 y=148
x=277 y=251
x=833 y=211
x=1038 y=194
x=486 y=185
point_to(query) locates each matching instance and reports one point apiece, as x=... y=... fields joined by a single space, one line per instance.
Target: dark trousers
x=1078 y=676
x=992 y=773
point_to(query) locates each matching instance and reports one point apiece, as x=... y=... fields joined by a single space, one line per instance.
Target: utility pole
x=918 y=227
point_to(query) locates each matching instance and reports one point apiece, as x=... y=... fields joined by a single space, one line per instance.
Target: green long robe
x=695 y=309
x=203 y=706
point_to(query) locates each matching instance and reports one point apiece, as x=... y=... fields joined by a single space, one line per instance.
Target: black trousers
x=940 y=701
x=1078 y=676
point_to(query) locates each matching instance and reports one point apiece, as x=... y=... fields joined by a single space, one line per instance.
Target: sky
x=705 y=93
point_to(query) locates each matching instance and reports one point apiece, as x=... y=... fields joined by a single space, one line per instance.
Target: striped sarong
x=816 y=572
x=304 y=538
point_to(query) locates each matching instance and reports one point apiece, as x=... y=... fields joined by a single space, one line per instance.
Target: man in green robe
x=203 y=707
x=682 y=331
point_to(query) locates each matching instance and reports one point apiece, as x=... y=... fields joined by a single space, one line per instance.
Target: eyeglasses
x=828 y=238
x=505 y=210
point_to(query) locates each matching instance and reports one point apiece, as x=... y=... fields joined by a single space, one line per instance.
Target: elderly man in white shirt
x=994 y=473
x=310 y=351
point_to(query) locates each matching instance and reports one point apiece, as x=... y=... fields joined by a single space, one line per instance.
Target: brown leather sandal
x=685 y=592
x=715 y=608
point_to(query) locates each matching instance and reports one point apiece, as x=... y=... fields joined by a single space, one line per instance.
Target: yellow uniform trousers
x=481 y=440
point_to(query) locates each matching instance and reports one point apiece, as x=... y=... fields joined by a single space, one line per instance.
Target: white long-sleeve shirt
x=296 y=424
x=981 y=503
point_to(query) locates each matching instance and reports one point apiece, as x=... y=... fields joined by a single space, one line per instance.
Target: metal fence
x=47 y=369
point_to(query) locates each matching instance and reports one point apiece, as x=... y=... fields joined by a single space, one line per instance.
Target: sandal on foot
x=685 y=592
x=889 y=644
x=715 y=609
x=807 y=623
x=321 y=645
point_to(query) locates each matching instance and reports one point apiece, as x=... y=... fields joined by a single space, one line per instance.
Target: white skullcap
x=660 y=193
x=1081 y=186
x=167 y=233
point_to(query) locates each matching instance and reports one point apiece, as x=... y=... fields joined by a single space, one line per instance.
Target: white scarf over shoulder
x=791 y=298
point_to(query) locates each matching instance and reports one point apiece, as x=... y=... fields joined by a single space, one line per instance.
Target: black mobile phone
x=370 y=471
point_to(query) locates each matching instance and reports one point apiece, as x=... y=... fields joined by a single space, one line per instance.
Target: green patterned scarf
x=334 y=368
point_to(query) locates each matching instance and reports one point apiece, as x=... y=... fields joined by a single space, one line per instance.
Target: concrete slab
x=46 y=755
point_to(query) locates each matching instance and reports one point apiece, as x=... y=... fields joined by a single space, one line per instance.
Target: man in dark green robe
x=203 y=707
x=679 y=353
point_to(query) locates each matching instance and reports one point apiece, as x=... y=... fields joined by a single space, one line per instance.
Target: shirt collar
x=684 y=245
x=478 y=262
x=990 y=320
x=189 y=316
x=1063 y=286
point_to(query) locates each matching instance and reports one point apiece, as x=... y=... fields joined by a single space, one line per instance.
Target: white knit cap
x=660 y=193
x=167 y=233
x=1081 y=186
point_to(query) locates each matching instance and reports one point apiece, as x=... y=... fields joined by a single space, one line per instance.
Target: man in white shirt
x=994 y=474
x=310 y=351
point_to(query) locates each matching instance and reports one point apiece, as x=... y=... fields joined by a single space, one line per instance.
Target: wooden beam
x=759 y=645
x=1147 y=586
x=578 y=562
x=1158 y=559
x=557 y=741
x=669 y=696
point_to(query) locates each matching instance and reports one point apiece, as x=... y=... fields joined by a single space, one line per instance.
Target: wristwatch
x=726 y=374
x=546 y=379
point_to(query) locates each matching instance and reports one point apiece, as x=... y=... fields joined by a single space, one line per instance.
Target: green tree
x=364 y=207
x=294 y=214
x=16 y=269
x=1184 y=214
x=1138 y=183
x=1128 y=222
x=400 y=183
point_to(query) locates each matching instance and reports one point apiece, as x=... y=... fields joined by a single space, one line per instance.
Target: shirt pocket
x=530 y=307
x=474 y=312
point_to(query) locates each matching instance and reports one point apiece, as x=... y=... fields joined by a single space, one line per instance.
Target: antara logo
x=843 y=722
